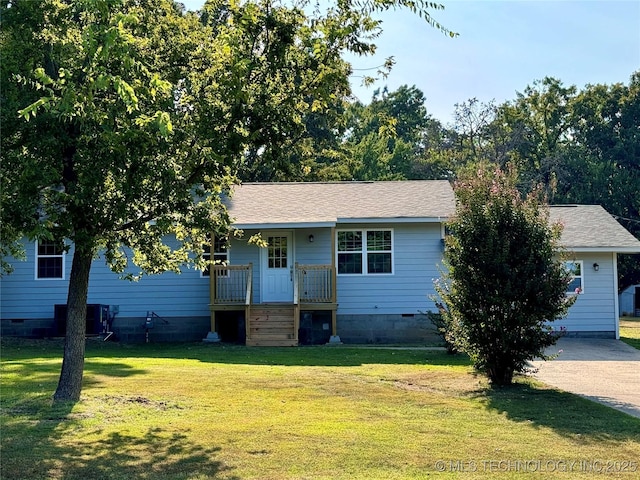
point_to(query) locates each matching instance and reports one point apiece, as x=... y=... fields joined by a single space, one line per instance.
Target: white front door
x=277 y=268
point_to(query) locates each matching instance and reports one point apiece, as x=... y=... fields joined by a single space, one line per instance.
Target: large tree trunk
x=70 y=383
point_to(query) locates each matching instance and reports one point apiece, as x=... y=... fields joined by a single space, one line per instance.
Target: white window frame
x=573 y=277
x=61 y=255
x=365 y=252
x=223 y=257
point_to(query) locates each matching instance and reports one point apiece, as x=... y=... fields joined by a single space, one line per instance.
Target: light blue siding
x=316 y=253
x=305 y=252
x=417 y=255
x=417 y=261
x=169 y=294
x=241 y=253
x=594 y=310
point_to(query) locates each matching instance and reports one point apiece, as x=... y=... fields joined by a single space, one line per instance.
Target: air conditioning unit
x=97 y=318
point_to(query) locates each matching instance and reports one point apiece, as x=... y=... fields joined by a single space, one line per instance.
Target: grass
x=630 y=331
x=204 y=411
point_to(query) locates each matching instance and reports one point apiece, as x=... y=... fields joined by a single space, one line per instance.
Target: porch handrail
x=232 y=284
x=296 y=283
x=247 y=300
x=314 y=284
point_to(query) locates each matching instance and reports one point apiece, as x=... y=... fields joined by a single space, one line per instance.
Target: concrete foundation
x=172 y=329
x=125 y=329
x=362 y=329
x=386 y=329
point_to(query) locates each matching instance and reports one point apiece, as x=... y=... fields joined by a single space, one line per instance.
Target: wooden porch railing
x=232 y=284
x=314 y=287
x=315 y=284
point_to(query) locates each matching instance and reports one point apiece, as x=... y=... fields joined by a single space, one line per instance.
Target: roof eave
x=283 y=225
x=604 y=249
x=394 y=220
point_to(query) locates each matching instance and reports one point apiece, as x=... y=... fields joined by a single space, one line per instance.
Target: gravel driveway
x=606 y=371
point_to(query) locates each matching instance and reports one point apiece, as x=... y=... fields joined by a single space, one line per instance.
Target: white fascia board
x=390 y=220
x=277 y=226
x=604 y=249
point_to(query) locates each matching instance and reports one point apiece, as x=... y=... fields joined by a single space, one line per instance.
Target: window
x=277 y=252
x=366 y=252
x=575 y=270
x=49 y=260
x=220 y=253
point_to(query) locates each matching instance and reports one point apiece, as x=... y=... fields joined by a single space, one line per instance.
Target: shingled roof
x=592 y=228
x=299 y=204
x=316 y=204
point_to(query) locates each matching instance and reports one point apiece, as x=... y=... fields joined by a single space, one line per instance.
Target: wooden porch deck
x=272 y=324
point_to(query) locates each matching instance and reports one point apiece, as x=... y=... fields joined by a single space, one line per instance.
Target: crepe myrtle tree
x=125 y=120
x=506 y=279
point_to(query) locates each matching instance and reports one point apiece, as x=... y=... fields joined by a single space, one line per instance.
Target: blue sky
x=504 y=46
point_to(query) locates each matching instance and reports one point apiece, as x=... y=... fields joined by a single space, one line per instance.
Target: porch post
x=296 y=303
x=212 y=336
x=335 y=338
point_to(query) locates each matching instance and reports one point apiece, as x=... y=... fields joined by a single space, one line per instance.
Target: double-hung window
x=220 y=253
x=366 y=252
x=576 y=285
x=49 y=260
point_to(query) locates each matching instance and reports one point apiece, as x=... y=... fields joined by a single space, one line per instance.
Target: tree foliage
x=380 y=140
x=505 y=280
x=125 y=120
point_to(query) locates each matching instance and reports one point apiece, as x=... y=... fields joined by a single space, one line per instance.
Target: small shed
x=630 y=301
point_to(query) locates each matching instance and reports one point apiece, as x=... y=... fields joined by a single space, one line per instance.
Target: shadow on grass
x=34 y=446
x=568 y=414
x=320 y=356
x=325 y=356
x=33 y=377
x=634 y=342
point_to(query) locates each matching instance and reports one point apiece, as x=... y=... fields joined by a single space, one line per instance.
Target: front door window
x=277 y=252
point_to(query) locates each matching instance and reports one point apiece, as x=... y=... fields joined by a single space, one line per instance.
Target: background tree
x=505 y=280
x=605 y=159
x=136 y=116
x=383 y=139
x=580 y=145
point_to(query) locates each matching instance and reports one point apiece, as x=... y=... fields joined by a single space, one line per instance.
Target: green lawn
x=208 y=411
x=630 y=331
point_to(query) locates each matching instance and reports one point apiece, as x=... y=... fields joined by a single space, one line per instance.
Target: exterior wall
x=27 y=304
x=417 y=259
x=316 y=253
x=304 y=252
x=177 y=329
x=594 y=313
x=241 y=253
x=371 y=308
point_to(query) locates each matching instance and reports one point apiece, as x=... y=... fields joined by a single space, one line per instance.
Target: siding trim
x=365 y=252
x=35 y=266
x=616 y=306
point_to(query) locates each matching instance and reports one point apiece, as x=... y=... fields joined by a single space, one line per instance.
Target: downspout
x=616 y=303
x=335 y=338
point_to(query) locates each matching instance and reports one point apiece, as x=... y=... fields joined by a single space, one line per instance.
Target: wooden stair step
x=274 y=336
x=257 y=342
x=261 y=333
x=271 y=326
x=271 y=317
x=271 y=320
